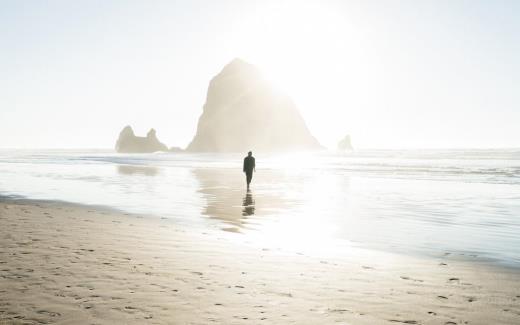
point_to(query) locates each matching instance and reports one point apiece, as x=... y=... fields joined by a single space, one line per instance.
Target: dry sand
x=68 y=264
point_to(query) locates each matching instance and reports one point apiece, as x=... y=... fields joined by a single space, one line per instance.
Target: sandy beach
x=260 y=162
x=62 y=264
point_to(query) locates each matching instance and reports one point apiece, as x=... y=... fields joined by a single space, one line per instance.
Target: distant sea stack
x=243 y=112
x=345 y=144
x=128 y=142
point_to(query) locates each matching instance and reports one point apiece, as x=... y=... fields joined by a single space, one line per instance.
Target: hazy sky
x=393 y=74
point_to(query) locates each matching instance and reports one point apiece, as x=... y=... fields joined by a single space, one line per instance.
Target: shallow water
x=418 y=202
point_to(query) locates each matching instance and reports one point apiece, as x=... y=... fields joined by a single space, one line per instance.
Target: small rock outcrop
x=128 y=142
x=345 y=144
x=244 y=112
x=175 y=149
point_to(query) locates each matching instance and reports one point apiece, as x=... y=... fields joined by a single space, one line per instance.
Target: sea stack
x=128 y=142
x=345 y=144
x=244 y=112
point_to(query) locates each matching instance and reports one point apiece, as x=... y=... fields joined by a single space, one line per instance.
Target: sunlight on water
x=420 y=202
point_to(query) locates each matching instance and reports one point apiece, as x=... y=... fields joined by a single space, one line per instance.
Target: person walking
x=249 y=167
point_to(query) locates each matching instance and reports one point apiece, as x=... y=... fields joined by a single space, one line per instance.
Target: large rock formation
x=129 y=143
x=243 y=112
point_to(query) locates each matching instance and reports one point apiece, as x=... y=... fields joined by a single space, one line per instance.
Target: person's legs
x=249 y=176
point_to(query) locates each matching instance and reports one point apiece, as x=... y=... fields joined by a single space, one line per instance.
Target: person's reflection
x=249 y=204
x=225 y=199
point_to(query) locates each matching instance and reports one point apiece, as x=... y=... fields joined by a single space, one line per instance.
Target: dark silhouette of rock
x=345 y=144
x=129 y=143
x=244 y=112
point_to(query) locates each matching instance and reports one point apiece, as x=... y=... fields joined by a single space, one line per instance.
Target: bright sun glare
x=291 y=35
x=302 y=48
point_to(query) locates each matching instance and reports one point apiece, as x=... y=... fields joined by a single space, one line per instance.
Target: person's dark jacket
x=249 y=164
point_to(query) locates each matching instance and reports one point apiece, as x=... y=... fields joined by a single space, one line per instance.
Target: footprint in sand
x=49 y=313
x=403 y=321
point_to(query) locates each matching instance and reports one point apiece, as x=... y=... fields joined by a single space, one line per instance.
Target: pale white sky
x=393 y=74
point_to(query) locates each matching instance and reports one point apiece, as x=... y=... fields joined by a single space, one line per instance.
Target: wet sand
x=63 y=263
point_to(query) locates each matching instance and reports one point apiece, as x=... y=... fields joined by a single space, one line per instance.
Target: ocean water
x=465 y=202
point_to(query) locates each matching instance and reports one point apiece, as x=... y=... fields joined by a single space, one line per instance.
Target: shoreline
x=72 y=263
x=457 y=256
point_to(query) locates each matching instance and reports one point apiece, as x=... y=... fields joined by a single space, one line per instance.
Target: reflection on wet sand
x=248 y=204
x=227 y=198
x=137 y=170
